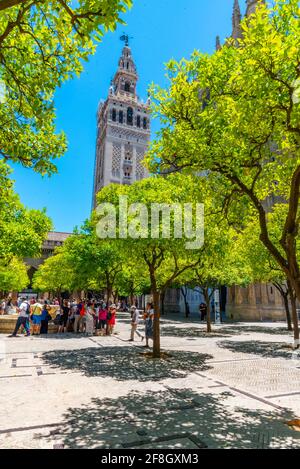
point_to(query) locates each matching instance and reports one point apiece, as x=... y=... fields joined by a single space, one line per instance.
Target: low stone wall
x=8 y=323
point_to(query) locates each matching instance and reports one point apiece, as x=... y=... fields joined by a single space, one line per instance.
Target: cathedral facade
x=123 y=129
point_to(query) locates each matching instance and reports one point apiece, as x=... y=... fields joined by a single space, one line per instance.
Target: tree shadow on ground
x=169 y=331
x=65 y=336
x=174 y=418
x=256 y=329
x=127 y=363
x=220 y=331
x=264 y=349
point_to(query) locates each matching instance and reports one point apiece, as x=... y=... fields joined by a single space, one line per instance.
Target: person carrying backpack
x=23 y=319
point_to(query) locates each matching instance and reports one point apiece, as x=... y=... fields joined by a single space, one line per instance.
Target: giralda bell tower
x=123 y=129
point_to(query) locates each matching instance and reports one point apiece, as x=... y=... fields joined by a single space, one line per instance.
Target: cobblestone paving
x=235 y=389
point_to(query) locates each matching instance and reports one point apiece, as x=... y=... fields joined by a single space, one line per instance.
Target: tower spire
x=236 y=21
x=218 y=43
x=252 y=5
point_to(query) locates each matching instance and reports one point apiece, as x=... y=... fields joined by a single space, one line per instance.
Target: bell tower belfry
x=123 y=129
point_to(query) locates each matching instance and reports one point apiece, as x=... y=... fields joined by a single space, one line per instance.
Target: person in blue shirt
x=45 y=318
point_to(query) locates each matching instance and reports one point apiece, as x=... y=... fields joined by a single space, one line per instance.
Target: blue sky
x=162 y=29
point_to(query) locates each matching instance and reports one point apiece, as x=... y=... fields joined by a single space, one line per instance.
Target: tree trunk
x=287 y=312
x=115 y=297
x=162 y=302
x=293 y=299
x=131 y=299
x=186 y=305
x=207 y=302
x=285 y=296
x=156 y=325
x=108 y=293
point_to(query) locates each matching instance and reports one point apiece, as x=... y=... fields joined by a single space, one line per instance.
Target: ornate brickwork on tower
x=123 y=134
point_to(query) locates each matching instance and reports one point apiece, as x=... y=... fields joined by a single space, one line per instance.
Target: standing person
x=64 y=316
x=83 y=316
x=8 y=306
x=135 y=316
x=149 y=317
x=89 y=319
x=2 y=307
x=36 y=317
x=102 y=319
x=203 y=311
x=111 y=319
x=78 y=320
x=24 y=312
x=46 y=317
x=73 y=308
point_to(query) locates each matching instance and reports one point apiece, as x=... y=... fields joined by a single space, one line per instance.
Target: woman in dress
x=89 y=319
x=111 y=319
x=149 y=317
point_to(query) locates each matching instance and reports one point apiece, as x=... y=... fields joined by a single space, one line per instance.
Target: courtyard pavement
x=237 y=388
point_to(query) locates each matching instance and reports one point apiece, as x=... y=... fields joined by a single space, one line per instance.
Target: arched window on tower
x=130 y=116
x=121 y=117
x=145 y=123
x=138 y=121
x=127 y=87
x=114 y=115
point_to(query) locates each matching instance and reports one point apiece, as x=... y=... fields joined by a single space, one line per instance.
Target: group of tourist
x=7 y=306
x=84 y=316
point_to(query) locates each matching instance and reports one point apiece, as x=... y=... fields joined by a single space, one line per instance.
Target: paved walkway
x=234 y=389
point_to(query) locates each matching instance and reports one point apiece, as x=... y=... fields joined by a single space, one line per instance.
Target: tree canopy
x=236 y=116
x=43 y=44
x=22 y=231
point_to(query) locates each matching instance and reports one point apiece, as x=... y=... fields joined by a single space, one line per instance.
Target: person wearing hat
x=135 y=316
x=111 y=319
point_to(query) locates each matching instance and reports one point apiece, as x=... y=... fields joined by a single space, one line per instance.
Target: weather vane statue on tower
x=125 y=38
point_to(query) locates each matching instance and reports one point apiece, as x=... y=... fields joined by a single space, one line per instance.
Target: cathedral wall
x=260 y=302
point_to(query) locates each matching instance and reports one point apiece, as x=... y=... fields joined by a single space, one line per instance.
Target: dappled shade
x=127 y=363
x=264 y=349
x=174 y=418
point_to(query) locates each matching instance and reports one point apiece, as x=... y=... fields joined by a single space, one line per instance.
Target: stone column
x=252 y=295
x=264 y=294
x=278 y=299
x=238 y=296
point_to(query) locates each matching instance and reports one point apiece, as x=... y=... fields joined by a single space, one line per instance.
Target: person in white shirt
x=23 y=319
x=135 y=317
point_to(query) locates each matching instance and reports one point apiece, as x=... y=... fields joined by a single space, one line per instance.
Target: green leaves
x=233 y=116
x=13 y=275
x=43 y=44
x=22 y=231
